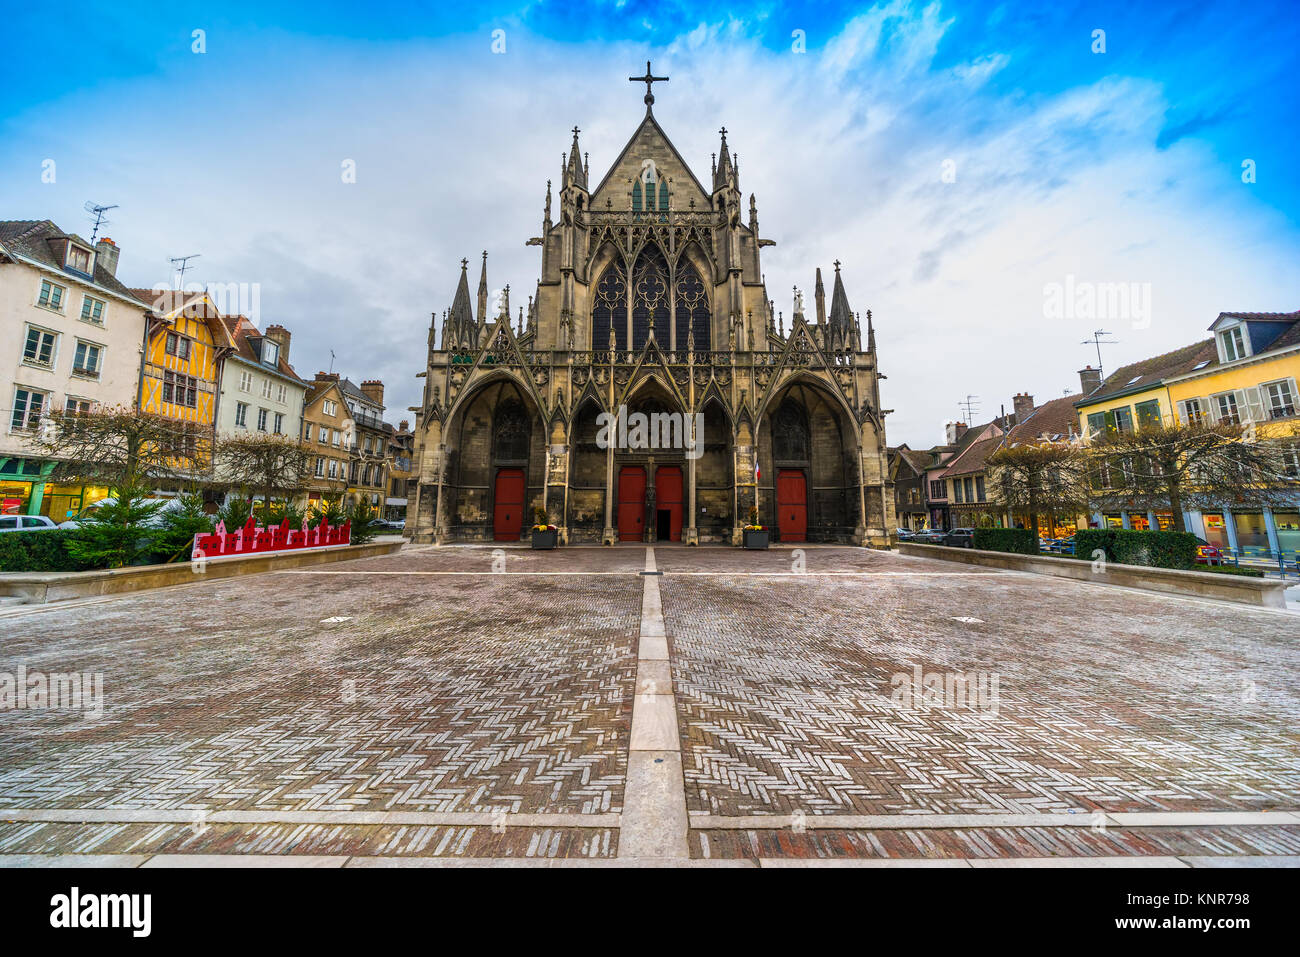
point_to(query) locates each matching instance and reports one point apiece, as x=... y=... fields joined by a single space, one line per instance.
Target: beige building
x=651 y=303
x=71 y=337
x=328 y=431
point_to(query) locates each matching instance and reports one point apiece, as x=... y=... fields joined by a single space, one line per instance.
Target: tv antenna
x=98 y=212
x=1098 y=341
x=181 y=263
x=971 y=405
x=331 y=360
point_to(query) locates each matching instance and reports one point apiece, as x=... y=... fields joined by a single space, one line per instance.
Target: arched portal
x=497 y=462
x=810 y=489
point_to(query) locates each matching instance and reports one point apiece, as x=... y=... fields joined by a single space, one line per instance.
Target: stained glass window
x=649 y=293
x=789 y=434
x=510 y=432
x=692 y=308
x=610 y=308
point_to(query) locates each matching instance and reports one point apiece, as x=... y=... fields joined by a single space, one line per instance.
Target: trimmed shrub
x=1022 y=541
x=40 y=551
x=1231 y=570
x=1128 y=547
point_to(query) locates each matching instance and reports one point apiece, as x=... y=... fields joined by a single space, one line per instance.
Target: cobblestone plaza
x=470 y=704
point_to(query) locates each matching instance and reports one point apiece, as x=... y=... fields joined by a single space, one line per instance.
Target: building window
x=334 y=436
x=178 y=346
x=324 y=435
x=936 y=489
x=334 y=468
x=39 y=348
x=28 y=406
x=261 y=420
x=1234 y=344
x=1225 y=407
x=1148 y=413
x=1191 y=411
x=74 y=406
x=610 y=307
x=266 y=388
x=86 y=360
x=51 y=295
x=956 y=491
x=979 y=488
x=320 y=468
x=1123 y=420
x=1281 y=398
x=241 y=414
x=79 y=259
x=279 y=423
x=281 y=393
x=331 y=408
x=270 y=352
x=1291 y=462
x=245 y=381
x=92 y=310
x=180 y=389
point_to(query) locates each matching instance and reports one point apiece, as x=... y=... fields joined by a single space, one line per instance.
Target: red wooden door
x=508 y=514
x=668 y=497
x=792 y=505
x=631 y=503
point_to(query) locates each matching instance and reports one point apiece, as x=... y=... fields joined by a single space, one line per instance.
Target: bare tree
x=122 y=447
x=1186 y=465
x=1032 y=479
x=268 y=464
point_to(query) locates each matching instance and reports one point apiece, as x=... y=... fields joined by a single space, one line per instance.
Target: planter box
x=1268 y=592
x=546 y=539
x=755 y=539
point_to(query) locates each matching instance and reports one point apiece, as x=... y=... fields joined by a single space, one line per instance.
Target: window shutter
x=1255 y=404
x=1212 y=408
x=1182 y=411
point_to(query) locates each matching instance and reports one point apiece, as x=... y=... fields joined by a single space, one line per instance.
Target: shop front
x=24 y=491
x=1288 y=533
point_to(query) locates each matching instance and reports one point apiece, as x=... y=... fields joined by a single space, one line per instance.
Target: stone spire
x=482 y=293
x=460 y=321
x=723 y=171
x=575 y=174
x=819 y=296
x=840 y=326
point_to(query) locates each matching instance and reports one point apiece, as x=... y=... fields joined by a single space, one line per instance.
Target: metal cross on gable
x=648 y=80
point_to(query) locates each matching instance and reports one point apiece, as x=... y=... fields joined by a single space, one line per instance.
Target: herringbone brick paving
x=502 y=680
x=1107 y=699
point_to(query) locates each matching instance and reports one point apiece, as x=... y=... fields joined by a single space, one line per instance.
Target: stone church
x=651 y=306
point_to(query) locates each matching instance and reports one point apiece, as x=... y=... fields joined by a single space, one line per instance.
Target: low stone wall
x=1268 y=592
x=39 y=587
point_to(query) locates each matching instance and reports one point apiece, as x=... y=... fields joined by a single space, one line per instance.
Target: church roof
x=645 y=135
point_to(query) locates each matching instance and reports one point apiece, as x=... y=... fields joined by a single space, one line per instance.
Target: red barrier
x=278 y=538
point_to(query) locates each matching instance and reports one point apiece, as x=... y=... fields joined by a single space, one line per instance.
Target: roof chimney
x=1090 y=379
x=327 y=377
x=374 y=390
x=403 y=426
x=280 y=336
x=106 y=253
x=954 y=431
x=1023 y=403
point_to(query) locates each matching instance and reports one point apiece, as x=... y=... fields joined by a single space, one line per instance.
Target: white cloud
x=844 y=149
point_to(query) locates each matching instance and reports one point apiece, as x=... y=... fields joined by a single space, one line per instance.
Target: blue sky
x=1122 y=166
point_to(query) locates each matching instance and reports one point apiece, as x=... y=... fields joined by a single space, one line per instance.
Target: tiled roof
x=972 y=459
x=164 y=302
x=1149 y=372
x=29 y=238
x=240 y=328
x=1054 y=417
x=1258 y=316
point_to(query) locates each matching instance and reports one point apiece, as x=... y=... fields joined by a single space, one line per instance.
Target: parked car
x=930 y=536
x=1207 y=554
x=25 y=523
x=960 y=538
x=168 y=505
x=385 y=525
x=905 y=534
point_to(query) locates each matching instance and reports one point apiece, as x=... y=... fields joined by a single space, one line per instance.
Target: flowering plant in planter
x=753 y=525
x=545 y=535
x=541 y=521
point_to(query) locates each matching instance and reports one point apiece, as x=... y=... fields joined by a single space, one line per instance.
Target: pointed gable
x=650 y=142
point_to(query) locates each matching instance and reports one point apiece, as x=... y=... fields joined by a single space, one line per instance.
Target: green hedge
x=1127 y=547
x=1022 y=541
x=39 y=551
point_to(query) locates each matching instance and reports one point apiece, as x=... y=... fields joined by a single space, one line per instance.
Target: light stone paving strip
x=654 y=821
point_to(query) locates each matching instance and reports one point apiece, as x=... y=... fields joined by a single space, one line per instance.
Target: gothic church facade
x=651 y=300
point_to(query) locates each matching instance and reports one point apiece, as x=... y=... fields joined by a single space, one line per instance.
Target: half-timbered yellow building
x=185 y=345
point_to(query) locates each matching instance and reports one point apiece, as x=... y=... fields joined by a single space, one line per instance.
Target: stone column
x=441 y=534
x=610 y=535
x=692 y=534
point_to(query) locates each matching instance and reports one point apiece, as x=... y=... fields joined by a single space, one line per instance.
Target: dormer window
x=1233 y=344
x=270 y=352
x=79 y=258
